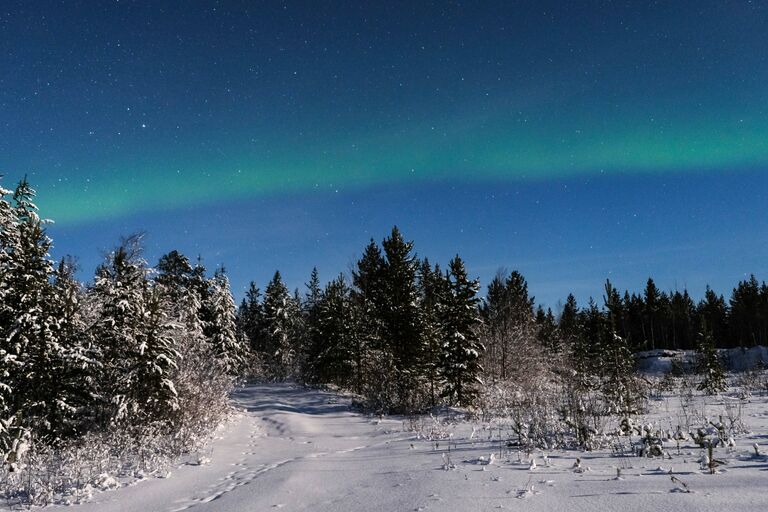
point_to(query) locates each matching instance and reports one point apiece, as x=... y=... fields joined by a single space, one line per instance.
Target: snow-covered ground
x=298 y=449
x=659 y=362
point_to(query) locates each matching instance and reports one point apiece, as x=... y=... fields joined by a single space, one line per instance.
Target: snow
x=659 y=362
x=298 y=449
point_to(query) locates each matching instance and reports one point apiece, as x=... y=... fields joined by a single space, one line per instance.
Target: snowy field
x=298 y=449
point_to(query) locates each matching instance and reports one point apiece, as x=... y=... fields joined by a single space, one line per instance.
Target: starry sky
x=571 y=142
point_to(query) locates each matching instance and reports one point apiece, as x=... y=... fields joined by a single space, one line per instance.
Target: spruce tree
x=29 y=343
x=713 y=377
x=228 y=344
x=462 y=349
x=279 y=308
x=744 y=317
x=546 y=330
x=373 y=361
x=158 y=357
x=713 y=310
x=401 y=319
x=509 y=326
x=75 y=361
x=312 y=338
x=134 y=337
x=621 y=389
x=568 y=323
x=200 y=379
x=434 y=291
x=336 y=355
x=250 y=319
x=651 y=327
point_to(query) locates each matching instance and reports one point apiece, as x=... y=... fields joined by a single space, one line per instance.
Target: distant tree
x=745 y=313
x=614 y=306
x=713 y=310
x=568 y=324
x=588 y=357
x=651 y=314
x=547 y=332
x=682 y=317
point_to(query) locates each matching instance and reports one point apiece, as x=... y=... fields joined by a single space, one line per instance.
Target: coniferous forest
x=407 y=334
x=141 y=360
x=137 y=354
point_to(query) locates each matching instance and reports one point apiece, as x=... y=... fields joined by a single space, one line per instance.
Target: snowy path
x=297 y=449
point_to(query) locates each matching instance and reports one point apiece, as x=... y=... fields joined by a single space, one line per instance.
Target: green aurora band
x=473 y=150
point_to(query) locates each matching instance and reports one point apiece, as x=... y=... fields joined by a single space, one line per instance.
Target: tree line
x=406 y=334
x=153 y=352
x=673 y=320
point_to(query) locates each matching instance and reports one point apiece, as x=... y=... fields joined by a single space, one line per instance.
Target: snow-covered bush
x=72 y=471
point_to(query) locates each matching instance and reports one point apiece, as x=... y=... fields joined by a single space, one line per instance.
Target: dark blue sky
x=571 y=142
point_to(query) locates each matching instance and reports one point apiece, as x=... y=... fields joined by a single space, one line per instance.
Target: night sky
x=573 y=143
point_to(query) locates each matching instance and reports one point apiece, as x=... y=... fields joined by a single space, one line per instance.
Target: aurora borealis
x=303 y=122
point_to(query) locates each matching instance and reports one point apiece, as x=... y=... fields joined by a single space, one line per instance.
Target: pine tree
x=682 y=315
x=200 y=284
x=516 y=298
x=461 y=345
